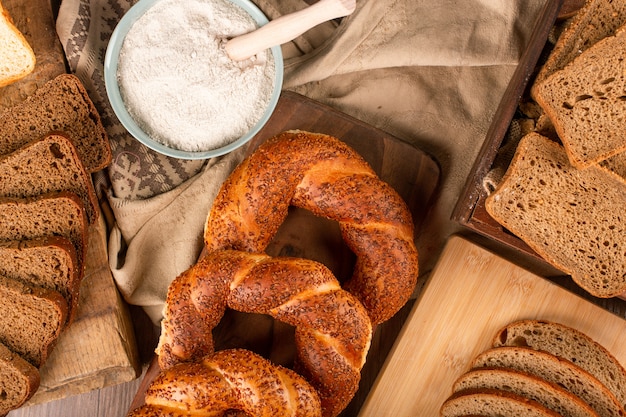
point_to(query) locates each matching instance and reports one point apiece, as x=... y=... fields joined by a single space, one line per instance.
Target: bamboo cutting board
x=470 y=295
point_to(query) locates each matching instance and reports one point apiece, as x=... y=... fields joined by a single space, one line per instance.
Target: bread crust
x=18 y=256
x=230 y=379
x=332 y=329
x=28 y=380
x=570 y=344
x=320 y=173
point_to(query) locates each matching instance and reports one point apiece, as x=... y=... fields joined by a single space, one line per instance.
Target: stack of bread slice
x=564 y=193
x=49 y=146
x=540 y=368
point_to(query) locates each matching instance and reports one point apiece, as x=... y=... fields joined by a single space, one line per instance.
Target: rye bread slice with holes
x=573 y=218
x=586 y=102
x=31 y=319
x=551 y=396
x=62 y=104
x=19 y=380
x=493 y=403
x=48 y=164
x=567 y=343
x=55 y=214
x=50 y=262
x=556 y=371
x=596 y=20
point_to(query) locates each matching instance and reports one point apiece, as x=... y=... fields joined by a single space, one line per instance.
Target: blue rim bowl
x=117 y=103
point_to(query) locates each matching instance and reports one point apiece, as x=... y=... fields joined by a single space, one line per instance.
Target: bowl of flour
x=174 y=88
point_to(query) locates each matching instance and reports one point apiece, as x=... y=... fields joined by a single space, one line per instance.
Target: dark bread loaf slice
x=556 y=371
x=48 y=262
x=585 y=102
x=596 y=20
x=46 y=165
x=567 y=343
x=56 y=214
x=572 y=218
x=492 y=403
x=550 y=395
x=19 y=380
x=31 y=319
x=62 y=104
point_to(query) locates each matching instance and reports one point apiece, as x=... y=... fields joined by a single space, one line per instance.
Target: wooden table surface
x=114 y=401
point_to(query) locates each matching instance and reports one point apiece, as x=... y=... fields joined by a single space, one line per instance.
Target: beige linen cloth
x=429 y=72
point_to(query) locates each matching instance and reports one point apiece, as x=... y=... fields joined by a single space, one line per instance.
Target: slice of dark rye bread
x=31 y=319
x=596 y=20
x=572 y=218
x=47 y=164
x=585 y=102
x=62 y=104
x=49 y=262
x=492 y=403
x=556 y=371
x=19 y=380
x=551 y=396
x=567 y=343
x=54 y=214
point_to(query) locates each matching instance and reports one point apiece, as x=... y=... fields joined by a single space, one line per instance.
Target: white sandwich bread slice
x=17 y=58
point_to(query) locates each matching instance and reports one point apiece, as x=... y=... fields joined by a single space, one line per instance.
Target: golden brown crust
x=325 y=176
x=233 y=379
x=333 y=330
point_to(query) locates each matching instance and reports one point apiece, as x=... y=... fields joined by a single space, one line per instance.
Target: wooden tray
x=471 y=294
x=413 y=174
x=470 y=208
x=99 y=348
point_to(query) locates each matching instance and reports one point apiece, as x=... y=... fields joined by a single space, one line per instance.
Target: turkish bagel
x=321 y=174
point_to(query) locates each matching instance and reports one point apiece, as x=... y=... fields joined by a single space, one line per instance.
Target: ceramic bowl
x=115 y=97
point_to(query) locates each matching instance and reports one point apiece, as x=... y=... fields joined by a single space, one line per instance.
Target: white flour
x=179 y=84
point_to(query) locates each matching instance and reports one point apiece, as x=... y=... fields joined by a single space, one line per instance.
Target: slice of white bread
x=567 y=343
x=55 y=214
x=48 y=164
x=31 y=319
x=492 y=403
x=572 y=218
x=62 y=104
x=596 y=20
x=48 y=262
x=550 y=395
x=17 y=58
x=585 y=102
x=556 y=371
x=19 y=380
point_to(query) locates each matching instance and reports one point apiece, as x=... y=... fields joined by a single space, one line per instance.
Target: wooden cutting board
x=99 y=348
x=470 y=295
x=412 y=173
